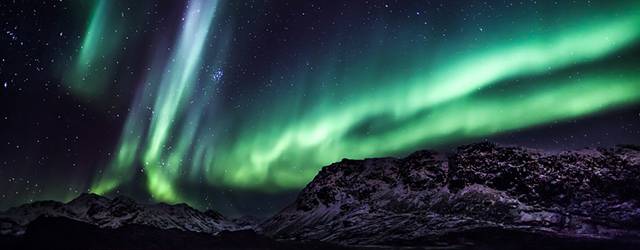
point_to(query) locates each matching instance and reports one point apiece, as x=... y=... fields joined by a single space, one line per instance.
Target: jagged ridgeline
x=480 y=195
x=429 y=196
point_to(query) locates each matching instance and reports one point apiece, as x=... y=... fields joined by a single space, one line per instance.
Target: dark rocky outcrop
x=429 y=196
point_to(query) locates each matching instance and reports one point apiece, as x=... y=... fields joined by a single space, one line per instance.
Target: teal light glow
x=90 y=74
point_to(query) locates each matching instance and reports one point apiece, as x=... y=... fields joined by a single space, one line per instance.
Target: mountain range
x=481 y=195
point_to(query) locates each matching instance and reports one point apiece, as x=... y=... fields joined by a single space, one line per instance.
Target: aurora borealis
x=197 y=101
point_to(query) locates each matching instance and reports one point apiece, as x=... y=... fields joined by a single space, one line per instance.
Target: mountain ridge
x=590 y=193
x=114 y=213
x=463 y=198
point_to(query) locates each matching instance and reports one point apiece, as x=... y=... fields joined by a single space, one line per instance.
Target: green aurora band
x=448 y=99
x=89 y=75
x=175 y=87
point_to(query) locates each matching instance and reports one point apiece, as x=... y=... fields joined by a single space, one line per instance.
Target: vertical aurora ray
x=178 y=79
x=94 y=34
x=172 y=111
x=176 y=87
x=89 y=75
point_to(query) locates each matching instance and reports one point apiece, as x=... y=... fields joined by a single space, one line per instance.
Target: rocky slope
x=114 y=213
x=429 y=196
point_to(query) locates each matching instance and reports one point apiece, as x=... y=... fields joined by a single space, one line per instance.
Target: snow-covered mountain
x=428 y=195
x=114 y=213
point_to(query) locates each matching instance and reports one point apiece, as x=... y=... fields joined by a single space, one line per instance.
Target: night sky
x=236 y=105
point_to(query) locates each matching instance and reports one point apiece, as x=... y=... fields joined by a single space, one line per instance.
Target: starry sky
x=236 y=105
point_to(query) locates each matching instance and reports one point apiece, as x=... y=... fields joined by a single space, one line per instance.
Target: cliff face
x=428 y=196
